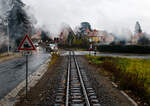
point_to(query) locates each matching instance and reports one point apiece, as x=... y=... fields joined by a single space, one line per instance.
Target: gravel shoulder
x=43 y=93
x=108 y=95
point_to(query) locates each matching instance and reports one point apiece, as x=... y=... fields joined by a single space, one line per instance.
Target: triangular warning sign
x=26 y=44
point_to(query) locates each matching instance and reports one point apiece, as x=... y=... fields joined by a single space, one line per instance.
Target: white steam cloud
x=110 y=15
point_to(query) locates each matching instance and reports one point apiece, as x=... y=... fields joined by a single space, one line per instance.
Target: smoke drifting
x=101 y=14
x=4 y=6
x=3 y=40
x=110 y=15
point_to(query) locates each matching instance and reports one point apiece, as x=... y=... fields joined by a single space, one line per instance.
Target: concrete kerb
x=122 y=92
x=12 y=97
x=129 y=98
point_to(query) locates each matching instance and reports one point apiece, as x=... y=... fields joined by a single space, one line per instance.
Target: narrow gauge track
x=76 y=91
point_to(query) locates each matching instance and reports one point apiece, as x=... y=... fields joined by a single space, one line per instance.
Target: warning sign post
x=26 y=46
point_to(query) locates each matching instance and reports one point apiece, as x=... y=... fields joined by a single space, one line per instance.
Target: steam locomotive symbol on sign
x=26 y=44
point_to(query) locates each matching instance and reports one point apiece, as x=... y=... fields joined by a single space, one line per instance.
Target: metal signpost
x=95 y=51
x=90 y=46
x=26 y=46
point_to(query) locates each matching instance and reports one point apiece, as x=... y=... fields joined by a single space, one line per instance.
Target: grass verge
x=132 y=74
x=5 y=55
x=53 y=59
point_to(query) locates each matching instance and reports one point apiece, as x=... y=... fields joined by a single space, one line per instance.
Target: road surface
x=13 y=72
x=138 y=56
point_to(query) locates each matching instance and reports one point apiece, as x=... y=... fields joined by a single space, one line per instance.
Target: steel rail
x=81 y=80
x=68 y=79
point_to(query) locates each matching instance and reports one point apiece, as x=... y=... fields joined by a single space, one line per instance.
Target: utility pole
x=26 y=76
x=95 y=48
x=90 y=46
x=7 y=25
x=8 y=35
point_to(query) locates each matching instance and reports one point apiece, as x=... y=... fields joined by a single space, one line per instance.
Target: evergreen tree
x=84 y=27
x=45 y=36
x=70 y=38
x=18 y=21
x=138 y=28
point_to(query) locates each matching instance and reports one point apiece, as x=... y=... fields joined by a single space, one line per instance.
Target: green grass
x=2 y=57
x=133 y=74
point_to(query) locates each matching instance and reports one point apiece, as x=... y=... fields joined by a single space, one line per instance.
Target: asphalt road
x=138 y=56
x=13 y=72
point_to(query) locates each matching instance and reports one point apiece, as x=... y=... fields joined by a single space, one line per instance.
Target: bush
x=124 y=49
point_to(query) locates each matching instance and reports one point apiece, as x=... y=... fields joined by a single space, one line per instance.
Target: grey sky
x=110 y=15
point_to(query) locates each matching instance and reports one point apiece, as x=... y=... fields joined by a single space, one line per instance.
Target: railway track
x=75 y=88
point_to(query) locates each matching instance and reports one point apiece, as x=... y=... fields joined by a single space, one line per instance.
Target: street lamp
x=6 y=24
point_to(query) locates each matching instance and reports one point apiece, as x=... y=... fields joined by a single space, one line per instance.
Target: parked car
x=36 y=44
x=52 y=47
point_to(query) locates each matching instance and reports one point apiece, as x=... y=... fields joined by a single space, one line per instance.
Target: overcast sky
x=110 y=15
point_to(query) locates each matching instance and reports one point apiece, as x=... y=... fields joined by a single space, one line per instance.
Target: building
x=36 y=37
x=63 y=35
x=101 y=37
x=93 y=36
x=66 y=31
x=105 y=37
